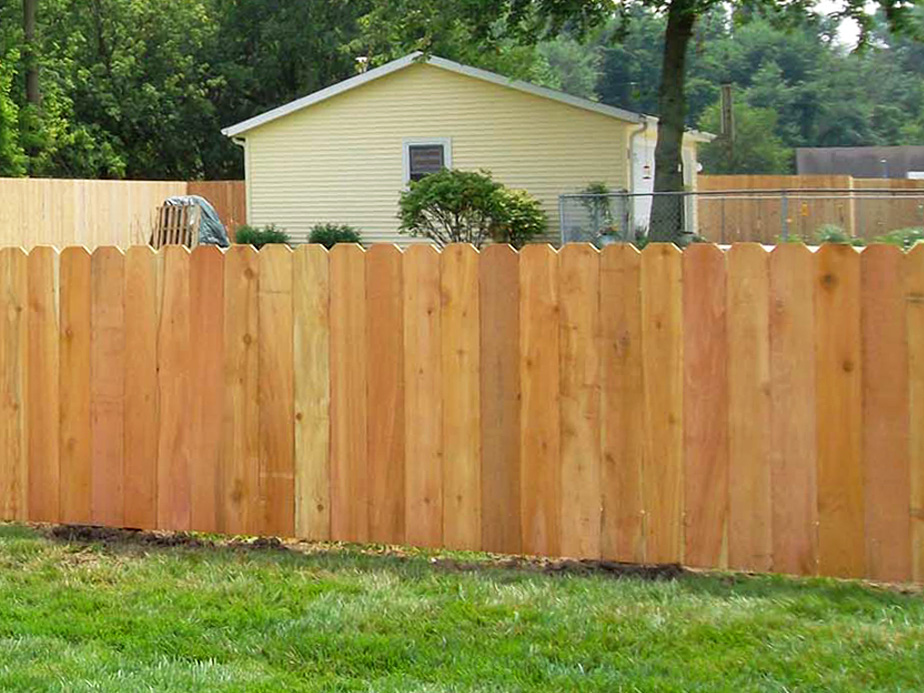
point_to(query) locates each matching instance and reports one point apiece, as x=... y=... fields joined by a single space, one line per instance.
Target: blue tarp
x=211 y=230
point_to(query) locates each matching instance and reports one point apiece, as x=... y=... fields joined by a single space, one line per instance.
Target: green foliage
x=520 y=219
x=329 y=235
x=904 y=238
x=12 y=156
x=454 y=206
x=756 y=148
x=259 y=237
x=832 y=233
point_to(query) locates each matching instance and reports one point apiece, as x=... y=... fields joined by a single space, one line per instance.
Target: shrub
x=249 y=235
x=832 y=233
x=330 y=235
x=905 y=238
x=520 y=220
x=454 y=206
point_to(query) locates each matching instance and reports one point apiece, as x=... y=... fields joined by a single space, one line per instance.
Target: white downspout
x=636 y=133
x=242 y=143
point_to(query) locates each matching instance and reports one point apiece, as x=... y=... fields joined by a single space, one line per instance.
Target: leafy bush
x=520 y=220
x=905 y=238
x=249 y=235
x=454 y=206
x=330 y=235
x=832 y=233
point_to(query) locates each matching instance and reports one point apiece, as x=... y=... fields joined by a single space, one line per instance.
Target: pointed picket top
x=498 y=250
x=384 y=249
x=661 y=250
x=748 y=248
x=275 y=249
x=107 y=251
x=537 y=250
x=620 y=250
x=205 y=249
x=578 y=250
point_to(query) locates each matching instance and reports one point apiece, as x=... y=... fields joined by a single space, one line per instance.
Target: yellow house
x=344 y=153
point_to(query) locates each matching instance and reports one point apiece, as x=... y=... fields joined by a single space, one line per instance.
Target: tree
x=532 y=20
x=755 y=150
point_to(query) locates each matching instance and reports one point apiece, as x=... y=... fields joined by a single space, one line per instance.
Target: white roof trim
x=407 y=60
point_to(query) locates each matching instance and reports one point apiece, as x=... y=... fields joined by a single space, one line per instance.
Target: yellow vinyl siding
x=341 y=160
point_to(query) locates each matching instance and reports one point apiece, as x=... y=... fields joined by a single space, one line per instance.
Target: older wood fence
x=763 y=411
x=46 y=211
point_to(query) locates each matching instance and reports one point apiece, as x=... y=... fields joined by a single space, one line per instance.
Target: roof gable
x=414 y=58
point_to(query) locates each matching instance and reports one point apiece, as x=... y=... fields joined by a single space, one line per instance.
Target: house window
x=423 y=157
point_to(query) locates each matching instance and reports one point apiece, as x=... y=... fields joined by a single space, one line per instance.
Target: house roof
x=418 y=57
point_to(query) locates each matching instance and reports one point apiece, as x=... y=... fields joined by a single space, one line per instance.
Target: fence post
x=784 y=214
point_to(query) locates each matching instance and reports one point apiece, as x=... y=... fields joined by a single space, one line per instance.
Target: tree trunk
x=667 y=210
x=29 y=53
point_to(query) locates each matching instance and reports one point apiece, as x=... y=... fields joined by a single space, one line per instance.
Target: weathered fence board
x=745 y=409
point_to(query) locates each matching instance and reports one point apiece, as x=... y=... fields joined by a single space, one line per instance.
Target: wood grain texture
x=107 y=386
x=460 y=325
x=622 y=404
x=501 y=529
x=750 y=541
x=385 y=387
x=141 y=401
x=540 y=440
x=276 y=391
x=74 y=389
x=841 y=515
x=349 y=467
x=43 y=386
x=886 y=471
x=311 y=304
x=579 y=387
x=423 y=400
x=206 y=334
x=913 y=276
x=662 y=366
x=174 y=387
x=705 y=406
x=14 y=345
x=239 y=474
x=792 y=410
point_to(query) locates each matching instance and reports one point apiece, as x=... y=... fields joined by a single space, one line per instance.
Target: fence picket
x=886 y=472
x=423 y=400
x=107 y=386
x=750 y=545
x=540 y=442
x=662 y=366
x=74 y=361
x=141 y=397
x=385 y=387
x=622 y=404
x=794 y=487
x=239 y=482
x=311 y=305
x=705 y=410
x=841 y=534
x=276 y=391
x=14 y=344
x=913 y=276
x=349 y=466
x=206 y=335
x=43 y=386
x=579 y=387
x=499 y=286
x=174 y=386
x=459 y=321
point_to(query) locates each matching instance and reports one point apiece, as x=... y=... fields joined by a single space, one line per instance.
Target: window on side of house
x=423 y=157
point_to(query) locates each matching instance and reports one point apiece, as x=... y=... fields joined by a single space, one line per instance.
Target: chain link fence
x=763 y=216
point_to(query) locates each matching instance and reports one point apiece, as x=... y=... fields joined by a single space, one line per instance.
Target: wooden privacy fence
x=755 y=209
x=743 y=409
x=47 y=211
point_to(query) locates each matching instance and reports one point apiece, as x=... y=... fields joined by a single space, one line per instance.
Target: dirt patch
x=85 y=534
x=133 y=538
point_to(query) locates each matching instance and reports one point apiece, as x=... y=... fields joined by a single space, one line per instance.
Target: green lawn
x=131 y=616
